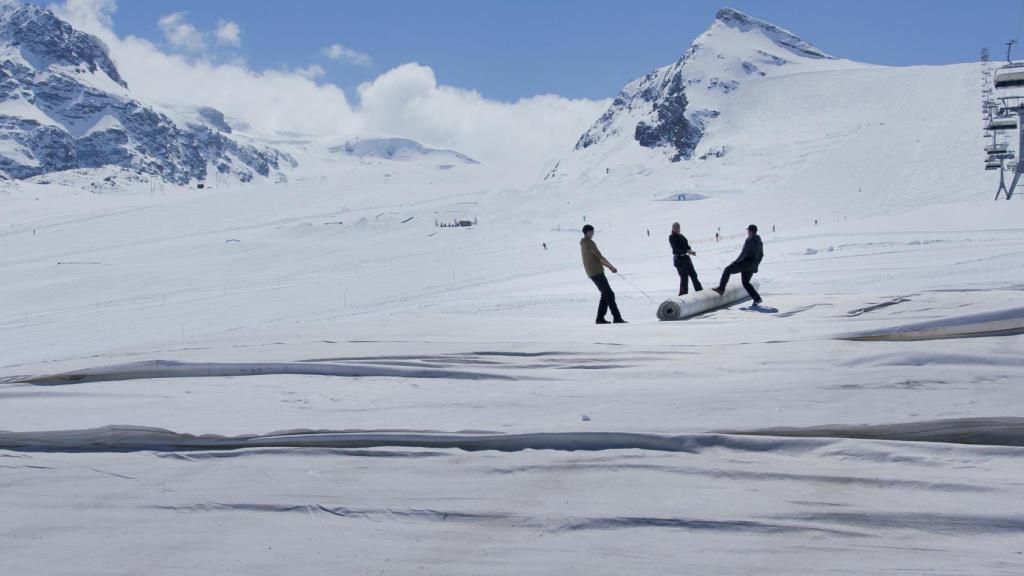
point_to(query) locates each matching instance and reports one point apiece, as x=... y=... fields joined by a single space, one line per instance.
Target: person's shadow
x=761 y=309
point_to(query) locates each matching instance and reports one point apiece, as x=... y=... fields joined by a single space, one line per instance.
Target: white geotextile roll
x=681 y=307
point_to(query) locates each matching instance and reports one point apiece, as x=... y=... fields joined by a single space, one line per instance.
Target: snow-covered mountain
x=63 y=105
x=671 y=109
x=402 y=149
x=753 y=108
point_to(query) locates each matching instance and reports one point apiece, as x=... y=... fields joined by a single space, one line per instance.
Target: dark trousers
x=745 y=276
x=607 y=298
x=686 y=272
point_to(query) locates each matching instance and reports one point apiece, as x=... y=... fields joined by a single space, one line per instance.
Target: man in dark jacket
x=681 y=253
x=594 y=264
x=746 y=264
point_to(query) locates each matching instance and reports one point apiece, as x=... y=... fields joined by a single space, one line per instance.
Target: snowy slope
x=790 y=127
x=851 y=142
x=483 y=330
x=438 y=400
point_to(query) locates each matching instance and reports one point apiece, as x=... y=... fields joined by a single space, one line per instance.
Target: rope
x=634 y=286
x=709 y=262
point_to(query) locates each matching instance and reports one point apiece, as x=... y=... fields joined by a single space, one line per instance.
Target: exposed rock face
x=660 y=101
x=671 y=128
x=63 y=105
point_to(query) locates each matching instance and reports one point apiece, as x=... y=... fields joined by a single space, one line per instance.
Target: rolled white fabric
x=682 y=307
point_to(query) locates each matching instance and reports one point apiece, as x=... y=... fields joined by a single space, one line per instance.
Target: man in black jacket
x=681 y=253
x=746 y=264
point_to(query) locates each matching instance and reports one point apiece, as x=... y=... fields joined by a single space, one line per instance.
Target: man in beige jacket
x=594 y=263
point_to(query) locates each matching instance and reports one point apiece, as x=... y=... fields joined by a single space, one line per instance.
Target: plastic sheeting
x=682 y=307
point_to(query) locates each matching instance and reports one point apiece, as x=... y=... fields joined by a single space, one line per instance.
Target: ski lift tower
x=987 y=104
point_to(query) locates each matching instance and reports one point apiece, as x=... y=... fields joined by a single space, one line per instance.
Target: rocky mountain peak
x=737 y=20
x=64 y=106
x=670 y=108
x=45 y=40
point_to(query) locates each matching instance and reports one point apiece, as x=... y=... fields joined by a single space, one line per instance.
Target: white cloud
x=311 y=72
x=228 y=33
x=92 y=16
x=180 y=34
x=270 y=99
x=339 y=52
x=406 y=101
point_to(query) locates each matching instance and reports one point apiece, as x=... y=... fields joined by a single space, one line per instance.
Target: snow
x=96 y=80
x=283 y=378
x=21 y=108
x=13 y=151
x=409 y=350
x=106 y=122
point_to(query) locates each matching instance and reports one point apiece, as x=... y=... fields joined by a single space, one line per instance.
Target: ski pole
x=635 y=287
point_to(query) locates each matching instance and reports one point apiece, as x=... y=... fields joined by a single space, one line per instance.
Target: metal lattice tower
x=986 y=85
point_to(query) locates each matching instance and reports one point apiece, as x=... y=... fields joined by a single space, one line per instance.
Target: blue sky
x=574 y=48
